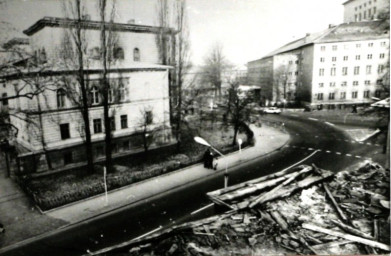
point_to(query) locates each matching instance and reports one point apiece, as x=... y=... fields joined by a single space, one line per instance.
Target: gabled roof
x=94 y=25
x=348 y=2
x=353 y=31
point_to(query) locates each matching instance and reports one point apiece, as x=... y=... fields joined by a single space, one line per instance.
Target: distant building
x=345 y=64
x=361 y=10
x=50 y=125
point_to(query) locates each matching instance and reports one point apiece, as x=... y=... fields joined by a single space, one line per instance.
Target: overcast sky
x=247 y=29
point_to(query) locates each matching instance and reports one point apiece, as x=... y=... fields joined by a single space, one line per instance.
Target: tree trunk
x=236 y=129
x=105 y=88
x=85 y=108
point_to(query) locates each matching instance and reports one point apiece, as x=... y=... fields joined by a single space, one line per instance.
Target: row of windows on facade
x=355 y=83
x=363 y=5
x=366 y=14
x=342 y=95
x=94 y=95
x=97 y=125
x=356 y=71
x=346 y=46
x=357 y=57
x=118 y=53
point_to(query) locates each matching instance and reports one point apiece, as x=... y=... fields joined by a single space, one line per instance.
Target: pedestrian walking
x=207 y=157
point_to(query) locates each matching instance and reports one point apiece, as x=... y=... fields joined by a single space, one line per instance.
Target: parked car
x=272 y=110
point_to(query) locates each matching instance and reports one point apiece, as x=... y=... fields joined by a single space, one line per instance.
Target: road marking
x=310 y=149
x=360 y=142
x=338 y=153
x=314 y=119
x=348 y=155
x=328 y=151
x=294 y=115
x=357 y=156
x=377 y=145
x=313 y=153
x=353 y=141
x=201 y=209
x=329 y=123
x=369 y=144
x=294 y=147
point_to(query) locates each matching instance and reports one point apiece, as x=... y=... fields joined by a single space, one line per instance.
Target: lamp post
x=201 y=141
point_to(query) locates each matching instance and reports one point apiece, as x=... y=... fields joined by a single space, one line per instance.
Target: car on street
x=272 y=110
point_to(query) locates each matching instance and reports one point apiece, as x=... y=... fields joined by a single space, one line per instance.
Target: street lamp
x=201 y=141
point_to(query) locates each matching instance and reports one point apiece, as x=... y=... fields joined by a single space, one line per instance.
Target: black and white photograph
x=194 y=127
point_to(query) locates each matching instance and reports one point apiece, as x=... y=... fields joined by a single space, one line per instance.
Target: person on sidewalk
x=207 y=158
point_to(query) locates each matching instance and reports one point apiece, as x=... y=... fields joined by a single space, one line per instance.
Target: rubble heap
x=302 y=211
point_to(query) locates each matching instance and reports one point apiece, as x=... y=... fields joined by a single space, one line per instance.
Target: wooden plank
x=331 y=244
x=335 y=204
x=357 y=239
x=352 y=230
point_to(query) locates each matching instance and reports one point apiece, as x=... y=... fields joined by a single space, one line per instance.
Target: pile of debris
x=302 y=211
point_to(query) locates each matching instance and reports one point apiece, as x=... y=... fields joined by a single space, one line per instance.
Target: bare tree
x=238 y=113
x=215 y=64
x=145 y=123
x=75 y=37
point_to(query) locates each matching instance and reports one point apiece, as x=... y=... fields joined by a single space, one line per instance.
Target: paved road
x=337 y=152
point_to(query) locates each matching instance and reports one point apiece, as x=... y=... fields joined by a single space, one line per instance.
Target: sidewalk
x=17 y=213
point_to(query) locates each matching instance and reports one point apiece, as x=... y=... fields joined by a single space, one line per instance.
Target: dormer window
x=136 y=54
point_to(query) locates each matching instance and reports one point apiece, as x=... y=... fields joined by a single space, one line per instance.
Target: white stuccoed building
x=50 y=125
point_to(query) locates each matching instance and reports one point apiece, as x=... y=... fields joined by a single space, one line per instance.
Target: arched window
x=94 y=95
x=119 y=53
x=95 y=53
x=122 y=91
x=136 y=54
x=60 y=98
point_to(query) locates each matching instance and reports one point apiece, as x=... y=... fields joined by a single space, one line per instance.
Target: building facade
x=361 y=10
x=343 y=65
x=50 y=124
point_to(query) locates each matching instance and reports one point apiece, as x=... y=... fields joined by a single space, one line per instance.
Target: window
x=110 y=94
x=355 y=17
x=320 y=96
x=380 y=69
x=136 y=54
x=342 y=95
x=333 y=71
x=355 y=83
x=370 y=44
x=290 y=62
x=354 y=95
x=60 y=98
x=334 y=59
x=331 y=96
x=322 y=59
x=358 y=45
x=118 y=53
x=112 y=123
x=356 y=70
x=97 y=125
x=124 y=121
x=359 y=17
x=344 y=83
x=67 y=157
x=290 y=73
x=334 y=47
x=94 y=95
x=383 y=44
x=296 y=73
x=365 y=14
x=321 y=84
x=5 y=101
x=332 y=84
x=379 y=82
x=366 y=94
x=321 y=72
x=345 y=58
x=367 y=82
x=377 y=93
x=358 y=57
x=369 y=56
x=122 y=91
x=369 y=69
x=381 y=56
x=374 y=10
x=296 y=62
x=64 y=130
x=95 y=53
x=323 y=48
x=370 y=15
x=344 y=71
x=148 y=117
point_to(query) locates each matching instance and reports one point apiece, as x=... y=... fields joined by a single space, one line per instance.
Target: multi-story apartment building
x=360 y=10
x=346 y=64
x=50 y=124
